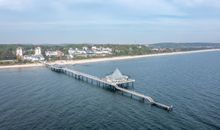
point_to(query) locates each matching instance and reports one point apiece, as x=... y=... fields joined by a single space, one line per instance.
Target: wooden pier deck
x=99 y=81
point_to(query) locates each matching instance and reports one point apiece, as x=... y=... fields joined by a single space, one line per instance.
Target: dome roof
x=116 y=75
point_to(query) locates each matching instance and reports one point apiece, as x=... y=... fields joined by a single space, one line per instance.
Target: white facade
x=19 y=51
x=33 y=58
x=37 y=51
x=81 y=52
x=107 y=49
x=85 y=51
x=85 y=48
x=54 y=53
x=51 y=53
x=102 y=50
x=71 y=51
x=94 y=48
x=76 y=51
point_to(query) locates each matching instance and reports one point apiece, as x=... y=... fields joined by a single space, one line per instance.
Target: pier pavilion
x=118 y=78
x=115 y=81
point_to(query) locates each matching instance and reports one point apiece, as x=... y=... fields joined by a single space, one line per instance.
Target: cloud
x=91 y=16
x=198 y=3
x=148 y=5
x=14 y=4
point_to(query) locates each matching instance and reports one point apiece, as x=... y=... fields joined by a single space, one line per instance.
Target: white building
x=51 y=53
x=85 y=51
x=94 y=48
x=102 y=50
x=19 y=52
x=37 y=51
x=139 y=46
x=71 y=51
x=85 y=48
x=33 y=58
x=54 y=53
x=107 y=50
x=155 y=49
x=81 y=52
x=76 y=51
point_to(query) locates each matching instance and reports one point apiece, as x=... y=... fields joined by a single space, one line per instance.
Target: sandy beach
x=105 y=59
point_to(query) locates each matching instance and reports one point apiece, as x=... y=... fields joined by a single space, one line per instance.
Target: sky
x=109 y=21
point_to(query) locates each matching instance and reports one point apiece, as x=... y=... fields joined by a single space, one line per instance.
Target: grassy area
x=8 y=51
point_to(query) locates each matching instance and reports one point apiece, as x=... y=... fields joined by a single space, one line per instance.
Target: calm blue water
x=37 y=98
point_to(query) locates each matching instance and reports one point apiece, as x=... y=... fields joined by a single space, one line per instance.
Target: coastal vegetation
x=8 y=51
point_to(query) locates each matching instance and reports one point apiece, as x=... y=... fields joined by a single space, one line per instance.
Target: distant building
x=76 y=52
x=81 y=52
x=94 y=48
x=19 y=52
x=85 y=51
x=54 y=53
x=37 y=51
x=51 y=53
x=71 y=51
x=90 y=53
x=106 y=50
x=85 y=48
x=155 y=49
x=33 y=58
x=139 y=46
x=36 y=57
x=101 y=50
x=60 y=53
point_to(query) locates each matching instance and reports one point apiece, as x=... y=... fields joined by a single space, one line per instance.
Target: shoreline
x=106 y=59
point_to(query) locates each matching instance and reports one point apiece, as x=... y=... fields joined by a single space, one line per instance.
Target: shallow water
x=37 y=98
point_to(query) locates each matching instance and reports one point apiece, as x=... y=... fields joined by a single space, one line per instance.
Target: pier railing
x=86 y=77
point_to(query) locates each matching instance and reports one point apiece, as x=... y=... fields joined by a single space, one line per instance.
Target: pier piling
x=100 y=82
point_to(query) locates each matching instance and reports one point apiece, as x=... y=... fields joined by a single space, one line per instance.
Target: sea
x=39 y=99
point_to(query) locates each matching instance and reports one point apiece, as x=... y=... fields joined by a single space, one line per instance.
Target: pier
x=113 y=84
